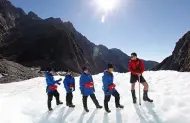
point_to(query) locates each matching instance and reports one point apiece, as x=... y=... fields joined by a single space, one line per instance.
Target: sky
x=148 y=27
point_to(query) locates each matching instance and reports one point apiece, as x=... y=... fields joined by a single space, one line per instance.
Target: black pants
x=108 y=97
x=50 y=97
x=93 y=97
x=135 y=78
x=69 y=98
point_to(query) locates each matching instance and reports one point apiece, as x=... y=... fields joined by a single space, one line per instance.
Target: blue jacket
x=84 y=79
x=67 y=81
x=50 y=81
x=107 y=80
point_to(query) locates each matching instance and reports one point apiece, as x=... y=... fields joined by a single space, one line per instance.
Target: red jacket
x=136 y=66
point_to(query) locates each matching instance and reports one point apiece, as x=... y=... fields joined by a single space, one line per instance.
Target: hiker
x=69 y=84
x=87 y=89
x=109 y=88
x=136 y=67
x=51 y=88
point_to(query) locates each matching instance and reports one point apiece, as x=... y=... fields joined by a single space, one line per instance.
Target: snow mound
x=25 y=102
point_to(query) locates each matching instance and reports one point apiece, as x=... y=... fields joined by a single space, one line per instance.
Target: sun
x=105 y=8
x=106 y=5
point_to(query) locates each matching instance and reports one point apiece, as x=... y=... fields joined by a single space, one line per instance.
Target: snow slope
x=25 y=102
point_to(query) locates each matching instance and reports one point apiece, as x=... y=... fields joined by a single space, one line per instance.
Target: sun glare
x=105 y=8
x=107 y=5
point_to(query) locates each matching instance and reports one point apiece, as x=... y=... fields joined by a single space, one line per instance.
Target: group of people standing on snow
x=135 y=66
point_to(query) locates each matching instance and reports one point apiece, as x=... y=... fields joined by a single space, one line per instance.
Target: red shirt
x=136 y=66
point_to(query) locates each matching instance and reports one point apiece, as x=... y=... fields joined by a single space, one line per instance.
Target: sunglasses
x=132 y=56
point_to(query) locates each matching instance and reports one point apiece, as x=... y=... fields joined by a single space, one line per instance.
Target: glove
x=82 y=92
x=59 y=79
x=72 y=89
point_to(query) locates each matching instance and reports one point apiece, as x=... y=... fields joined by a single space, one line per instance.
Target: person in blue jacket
x=87 y=89
x=51 y=88
x=109 y=88
x=69 y=84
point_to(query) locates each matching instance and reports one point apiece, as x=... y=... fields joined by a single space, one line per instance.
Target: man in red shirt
x=136 y=67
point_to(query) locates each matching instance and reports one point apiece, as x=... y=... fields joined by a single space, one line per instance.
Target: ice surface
x=25 y=102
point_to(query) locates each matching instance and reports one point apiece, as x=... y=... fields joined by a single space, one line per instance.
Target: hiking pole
x=139 y=91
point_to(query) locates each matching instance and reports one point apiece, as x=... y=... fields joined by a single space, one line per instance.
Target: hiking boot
x=134 y=96
x=99 y=107
x=71 y=106
x=50 y=109
x=120 y=106
x=86 y=109
x=108 y=111
x=146 y=98
x=59 y=103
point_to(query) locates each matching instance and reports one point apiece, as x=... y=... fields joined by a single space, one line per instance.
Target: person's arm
x=130 y=68
x=74 y=83
x=81 y=84
x=142 y=66
x=92 y=81
x=66 y=84
x=48 y=79
x=105 y=82
x=91 y=78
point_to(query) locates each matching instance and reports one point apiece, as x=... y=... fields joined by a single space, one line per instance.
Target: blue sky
x=148 y=27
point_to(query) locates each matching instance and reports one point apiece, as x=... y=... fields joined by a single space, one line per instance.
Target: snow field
x=26 y=101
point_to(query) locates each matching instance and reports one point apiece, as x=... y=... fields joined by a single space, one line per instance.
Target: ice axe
x=139 y=90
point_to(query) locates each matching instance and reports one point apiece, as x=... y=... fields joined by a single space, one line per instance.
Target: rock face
x=34 y=42
x=8 y=14
x=11 y=71
x=180 y=58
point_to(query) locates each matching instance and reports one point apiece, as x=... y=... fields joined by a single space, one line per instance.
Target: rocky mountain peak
x=33 y=15
x=180 y=58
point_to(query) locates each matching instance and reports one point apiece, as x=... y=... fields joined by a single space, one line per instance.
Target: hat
x=48 y=69
x=110 y=66
x=67 y=70
x=84 y=68
x=134 y=54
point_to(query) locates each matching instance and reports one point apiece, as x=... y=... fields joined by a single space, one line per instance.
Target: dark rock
x=33 y=16
x=11 y=71
x=180 y=58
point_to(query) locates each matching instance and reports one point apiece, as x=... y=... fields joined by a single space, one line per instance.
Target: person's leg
x=71 y=98
x=146 y=87
x=56 y=95
x=84 y=100
x=67 y=99
x=134 y=96
x=93 y=97
x=106 y=100
x=50 y=97
x=133 y=80
x=117 y=99
x=132 y=86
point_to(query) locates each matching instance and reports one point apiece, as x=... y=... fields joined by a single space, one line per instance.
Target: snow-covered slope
x=25 y=102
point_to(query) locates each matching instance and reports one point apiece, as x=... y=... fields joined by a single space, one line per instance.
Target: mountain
x=180 y=58
x=8 y=14
x=25 y=101
x=34 y=42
